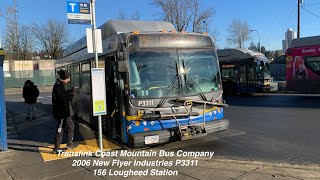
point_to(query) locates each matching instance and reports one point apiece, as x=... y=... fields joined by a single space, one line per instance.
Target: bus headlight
x=152 y=123
x=145 y=123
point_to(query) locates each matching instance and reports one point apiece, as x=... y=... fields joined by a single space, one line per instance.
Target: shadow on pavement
x=26 y=135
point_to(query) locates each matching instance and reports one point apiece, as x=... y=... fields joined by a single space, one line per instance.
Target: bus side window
x=85 y=78
x=69 y=70
x=75 y=75
x=258 y=66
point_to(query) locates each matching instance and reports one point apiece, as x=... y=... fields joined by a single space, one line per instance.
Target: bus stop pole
x=97 y=64
x=3 y=124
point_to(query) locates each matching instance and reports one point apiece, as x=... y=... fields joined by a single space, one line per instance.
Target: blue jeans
x=31 y=108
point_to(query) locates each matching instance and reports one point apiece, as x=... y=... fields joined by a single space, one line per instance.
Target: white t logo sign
x=72 y=6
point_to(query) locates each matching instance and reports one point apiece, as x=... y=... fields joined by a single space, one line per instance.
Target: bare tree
x=215 y=35
x=11 y=41
x=25 y=42
x=51 y=36
x=238 y=32
x=136 y=15
x=185 y=14
x=122 y=15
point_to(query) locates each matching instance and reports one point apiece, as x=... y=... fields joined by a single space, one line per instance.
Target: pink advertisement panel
x=302 y=69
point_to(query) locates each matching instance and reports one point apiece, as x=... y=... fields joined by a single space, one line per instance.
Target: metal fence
x=13 y=79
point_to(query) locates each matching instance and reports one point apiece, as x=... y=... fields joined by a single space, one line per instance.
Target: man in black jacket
x=61 y=111
x=30 y=94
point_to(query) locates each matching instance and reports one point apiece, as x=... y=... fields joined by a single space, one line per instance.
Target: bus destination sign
x=169 y=40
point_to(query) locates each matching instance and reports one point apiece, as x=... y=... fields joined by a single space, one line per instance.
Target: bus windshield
x=153 y=73
x=262 y=69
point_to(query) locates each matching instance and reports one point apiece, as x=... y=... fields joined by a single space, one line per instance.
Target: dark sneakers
x=72 y=146
x=31 y=119
x=57 y=151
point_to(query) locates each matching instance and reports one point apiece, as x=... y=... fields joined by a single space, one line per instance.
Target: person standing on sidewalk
x=30 y=94
x=61 y=111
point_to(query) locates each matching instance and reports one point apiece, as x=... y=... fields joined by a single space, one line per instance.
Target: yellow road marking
x=83 y=146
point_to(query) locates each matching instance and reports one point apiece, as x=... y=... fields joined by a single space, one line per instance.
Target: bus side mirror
x=122 y=54
x=123 y=66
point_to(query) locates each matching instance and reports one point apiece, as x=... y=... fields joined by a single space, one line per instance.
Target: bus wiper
x=168 y=91
x=190 y=83
x=193 y=85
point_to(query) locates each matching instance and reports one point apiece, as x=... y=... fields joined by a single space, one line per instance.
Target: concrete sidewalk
x=23 y=160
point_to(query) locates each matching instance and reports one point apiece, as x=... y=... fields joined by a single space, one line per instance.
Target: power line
x=312 y=4
x=310 y=12
x=281 y=23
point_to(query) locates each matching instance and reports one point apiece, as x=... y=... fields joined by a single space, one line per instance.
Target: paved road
x=272 y=128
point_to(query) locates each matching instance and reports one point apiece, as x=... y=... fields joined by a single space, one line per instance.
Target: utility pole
x=298 y=26
x=206 y=24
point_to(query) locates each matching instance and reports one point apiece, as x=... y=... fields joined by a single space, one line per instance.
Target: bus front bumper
x=169 y=135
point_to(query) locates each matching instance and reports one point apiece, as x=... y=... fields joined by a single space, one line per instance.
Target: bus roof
x=306 y=41
x=239 y=54
x=113 y=27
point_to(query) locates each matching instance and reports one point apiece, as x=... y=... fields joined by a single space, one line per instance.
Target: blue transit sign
x=78 y=13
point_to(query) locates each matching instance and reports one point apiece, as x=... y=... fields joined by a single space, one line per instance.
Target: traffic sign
x=78 y=13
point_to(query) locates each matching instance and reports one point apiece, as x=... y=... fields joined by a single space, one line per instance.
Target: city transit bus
x=303 y=65
x=161 y=85
x=244 y=71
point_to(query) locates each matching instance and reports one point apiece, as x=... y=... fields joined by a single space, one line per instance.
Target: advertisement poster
x=98 y=91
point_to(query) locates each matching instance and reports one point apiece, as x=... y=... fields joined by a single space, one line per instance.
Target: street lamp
x=259 y=39
x=206 y=24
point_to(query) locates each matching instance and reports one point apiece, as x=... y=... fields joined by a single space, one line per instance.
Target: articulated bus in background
x=303 y=65
x=160 y=85
x=244 y=71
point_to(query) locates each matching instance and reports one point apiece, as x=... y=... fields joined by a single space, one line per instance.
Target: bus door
x=113 y=123
x=246 y=77
x=242 y=77
x=251 y=77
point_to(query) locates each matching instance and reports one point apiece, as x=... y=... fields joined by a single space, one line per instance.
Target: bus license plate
x=151 y=139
